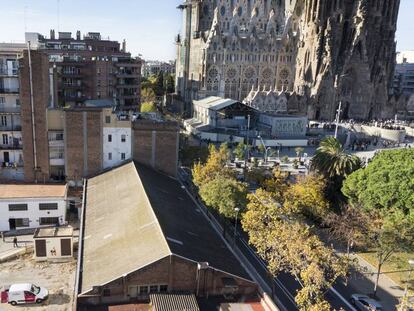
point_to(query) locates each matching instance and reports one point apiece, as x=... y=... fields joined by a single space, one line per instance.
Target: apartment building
x=404 y=73
x=89 y=68
x=32 y=206
x=154 y=67
x=11 y=154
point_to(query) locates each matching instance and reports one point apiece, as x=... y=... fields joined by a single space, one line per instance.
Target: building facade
x=32 y=206
x=11 y=152
x=315 y=49
x=154 y=67
x=89 y=68
x=404 y=73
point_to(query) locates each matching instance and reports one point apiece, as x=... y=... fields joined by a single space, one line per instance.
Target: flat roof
x=11 y=191
x=52 y=232
x=135 y=216
x=215 y=103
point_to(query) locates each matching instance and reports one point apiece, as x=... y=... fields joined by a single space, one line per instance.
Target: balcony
x=9 y=73
x=9 y=91
x=10 y=128
x=10 y=110
x=126 y=86
x=11 y=146
x=57 y=161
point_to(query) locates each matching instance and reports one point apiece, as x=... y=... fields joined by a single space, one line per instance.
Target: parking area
x=58 y=278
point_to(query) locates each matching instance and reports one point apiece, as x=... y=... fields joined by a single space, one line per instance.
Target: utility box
x=53 y=243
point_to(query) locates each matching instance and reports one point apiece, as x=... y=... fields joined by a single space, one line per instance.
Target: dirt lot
x=58 y=278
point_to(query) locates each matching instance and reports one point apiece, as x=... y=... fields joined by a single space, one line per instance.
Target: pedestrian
x=15 y=242
x=2 y=236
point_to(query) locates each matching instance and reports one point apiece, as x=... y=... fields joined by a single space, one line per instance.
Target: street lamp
x=338 y=112
x=266 y=148
x=405 y=297
x=237 y=210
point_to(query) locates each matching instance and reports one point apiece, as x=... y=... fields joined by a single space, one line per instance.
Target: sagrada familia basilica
x=299 y=57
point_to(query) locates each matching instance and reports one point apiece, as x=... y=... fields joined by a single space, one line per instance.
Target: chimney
x=52 y=34
x=78 y=35
x=124 y=46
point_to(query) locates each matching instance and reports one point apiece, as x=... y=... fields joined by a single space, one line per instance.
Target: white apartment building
x=31 y=206
x=11 y=152
x=117 y=140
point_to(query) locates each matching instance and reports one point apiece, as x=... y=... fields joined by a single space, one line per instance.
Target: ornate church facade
x=317 y=52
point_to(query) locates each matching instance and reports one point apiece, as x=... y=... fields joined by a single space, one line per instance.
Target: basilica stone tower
x=346 y=53
x=318 y=52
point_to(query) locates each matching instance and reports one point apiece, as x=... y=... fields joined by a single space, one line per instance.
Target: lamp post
x=266 y=148
x=338 y=112
x=405 y=297
x=237 y=210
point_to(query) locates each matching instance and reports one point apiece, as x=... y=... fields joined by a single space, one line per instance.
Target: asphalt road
x=285 y=285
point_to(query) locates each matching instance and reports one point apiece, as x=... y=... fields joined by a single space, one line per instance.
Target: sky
x=149 y=26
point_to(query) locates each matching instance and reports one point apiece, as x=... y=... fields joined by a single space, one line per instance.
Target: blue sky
x=149 y=26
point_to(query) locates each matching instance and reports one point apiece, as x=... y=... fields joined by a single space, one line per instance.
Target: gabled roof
x=215 y=103
x=135 y=216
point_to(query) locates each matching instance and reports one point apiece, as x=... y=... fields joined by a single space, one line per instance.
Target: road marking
x=342 y=298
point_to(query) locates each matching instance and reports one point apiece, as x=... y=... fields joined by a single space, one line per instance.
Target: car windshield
x=35 y=289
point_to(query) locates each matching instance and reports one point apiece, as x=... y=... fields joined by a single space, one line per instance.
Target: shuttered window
x=17 y=207
x=48 y=206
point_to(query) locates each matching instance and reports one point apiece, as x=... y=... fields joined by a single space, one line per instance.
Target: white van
x=24 y=293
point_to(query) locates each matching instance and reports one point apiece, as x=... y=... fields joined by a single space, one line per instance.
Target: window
x=2 y=100
x=106 y=292
x=48 y=206
x=123 y=138
x=48 y=220
x=153 y=289
x=143 y=289
x=110 y=156
x=107 y=119
x=109 y=138
x=163 y=288
x=5 y=139
x=59 y=136
x=22 y=222
x=4 y=120
x=122 y=156
x=17 y=207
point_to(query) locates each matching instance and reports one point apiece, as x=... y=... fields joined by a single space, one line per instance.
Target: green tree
x=224 y=194
x=389 y=235
x=299 y=151
x=169 y=82
x=332 y=161
x=148 y=107
x=387 y=183
x=159 y=84
x=240 y=150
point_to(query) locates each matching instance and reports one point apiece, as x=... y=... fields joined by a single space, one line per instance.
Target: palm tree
x=331 y=160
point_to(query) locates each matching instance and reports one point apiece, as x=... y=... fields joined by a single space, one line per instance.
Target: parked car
x=365 y=303
x=24 y=293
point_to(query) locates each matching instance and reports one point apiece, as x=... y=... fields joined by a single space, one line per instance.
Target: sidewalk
x=7 y=250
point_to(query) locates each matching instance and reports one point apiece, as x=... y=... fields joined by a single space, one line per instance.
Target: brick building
x=89 y=68
x=142 y=234
x=155 y=144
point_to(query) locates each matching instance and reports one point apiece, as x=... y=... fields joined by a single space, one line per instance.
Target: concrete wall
x=156 y=144
x=177 y=273
x=393 y=135
x=116 y=147
x=33 y=212
x=53 y=243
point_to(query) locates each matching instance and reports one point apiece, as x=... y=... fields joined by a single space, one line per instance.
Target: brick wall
x=179 y=274
x=83 y=143
x=40 y=70
x=156 y=144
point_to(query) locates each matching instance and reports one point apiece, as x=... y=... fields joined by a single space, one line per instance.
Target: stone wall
x=40 y=78
x=156 y=144
x=353 y=40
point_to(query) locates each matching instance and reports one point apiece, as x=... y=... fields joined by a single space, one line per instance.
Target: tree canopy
x=387 y=183
x=148 y=107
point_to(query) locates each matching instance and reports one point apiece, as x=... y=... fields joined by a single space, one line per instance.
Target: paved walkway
x=7 y=249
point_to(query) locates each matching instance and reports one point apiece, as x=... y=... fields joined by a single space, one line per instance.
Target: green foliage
x=148 y=107
x=189 y=155
x=224 y=194
x=332 y=161
x=261 y=148
x=159 y=84
x=169 y=82
x=240 y=150
x=285 y=159
x=387 y=183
